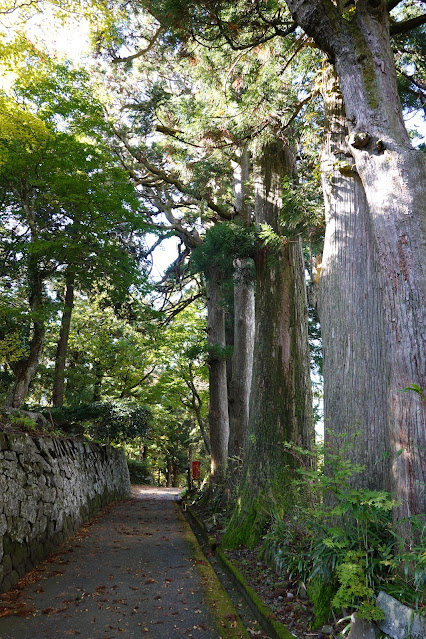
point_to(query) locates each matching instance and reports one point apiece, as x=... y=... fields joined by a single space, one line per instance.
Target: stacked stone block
x=48 y=488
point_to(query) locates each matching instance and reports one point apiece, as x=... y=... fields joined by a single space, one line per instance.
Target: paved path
x=135 y=571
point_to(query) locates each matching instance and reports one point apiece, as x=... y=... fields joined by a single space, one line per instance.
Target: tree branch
x=142 y=52
x=392 y=4
x=169 y=178
x=408 y=25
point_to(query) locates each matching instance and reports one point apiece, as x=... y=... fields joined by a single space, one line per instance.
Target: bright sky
x=72 y=42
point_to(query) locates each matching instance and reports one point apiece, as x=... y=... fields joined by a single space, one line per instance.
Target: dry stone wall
x=48 y=488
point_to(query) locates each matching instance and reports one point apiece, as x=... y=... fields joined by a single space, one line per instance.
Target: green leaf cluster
x=222 y=244
x=345 y=538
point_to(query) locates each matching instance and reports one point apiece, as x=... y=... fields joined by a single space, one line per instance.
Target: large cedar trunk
x=218 y=406
x=350 y=309
x=394 y=179
x=243 y=327
x=242 y=359
x=280 y=402
x=62 y=347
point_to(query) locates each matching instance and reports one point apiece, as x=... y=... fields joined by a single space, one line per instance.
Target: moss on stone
x=264 y=614
x=279 y=629
x=220 y=606
x=321 y=592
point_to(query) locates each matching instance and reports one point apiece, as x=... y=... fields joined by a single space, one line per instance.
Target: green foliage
x=68 y=207
x=344 y=539
x=353 y=588
x=140 y=471
x=218 y=352
x=415 y=388
x=120 y=422
x=11 y=348
x=222 y=244
x=22 y=422
x=269 y=238
x=108 y=422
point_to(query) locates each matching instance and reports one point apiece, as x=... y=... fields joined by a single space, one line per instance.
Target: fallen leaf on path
x=53 y=611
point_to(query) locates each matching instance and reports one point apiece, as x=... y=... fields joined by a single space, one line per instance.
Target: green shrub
x=109 y=422
x=22 y=422
x=343 y=546
x=140 y=471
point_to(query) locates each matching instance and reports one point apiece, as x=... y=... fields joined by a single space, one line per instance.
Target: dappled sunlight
x=155 y=492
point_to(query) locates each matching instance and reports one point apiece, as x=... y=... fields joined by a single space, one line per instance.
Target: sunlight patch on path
x=155 y=492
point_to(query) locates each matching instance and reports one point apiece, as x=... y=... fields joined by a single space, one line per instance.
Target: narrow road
x=134 y=571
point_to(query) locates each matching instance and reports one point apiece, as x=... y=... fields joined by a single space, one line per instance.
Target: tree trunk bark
x=280 y=402
x=26 y=368
x=189 y=467
x=218 y=408
x=242 y=359
x=97 y=385
x=350 y=307
x=394 y=179
x=243 y=326
x=241 y=171
x=62 y=347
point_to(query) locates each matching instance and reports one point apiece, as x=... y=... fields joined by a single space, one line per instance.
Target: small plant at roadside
x=342 y=546
x=22 y=422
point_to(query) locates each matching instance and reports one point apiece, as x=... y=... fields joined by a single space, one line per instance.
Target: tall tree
x=351 y=308
x=356 y=37
x=57 y=210
x=243 y=323
x=393 y=177
x=242 y=358
x=218 y=405
x=280 y=402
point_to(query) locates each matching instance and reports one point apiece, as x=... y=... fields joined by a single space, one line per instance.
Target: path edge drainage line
x=263 y=613
x=229 y=623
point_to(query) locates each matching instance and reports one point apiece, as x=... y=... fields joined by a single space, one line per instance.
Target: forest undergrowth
x=332 y=554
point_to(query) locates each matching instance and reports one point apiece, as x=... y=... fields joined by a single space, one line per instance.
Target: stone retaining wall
x=48 y=488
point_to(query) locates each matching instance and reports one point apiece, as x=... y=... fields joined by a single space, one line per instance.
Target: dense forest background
x=281 y=145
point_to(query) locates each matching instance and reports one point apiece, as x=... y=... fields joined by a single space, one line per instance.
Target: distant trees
x=68 y=208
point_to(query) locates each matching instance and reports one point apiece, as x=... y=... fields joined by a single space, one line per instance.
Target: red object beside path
x=196 y=470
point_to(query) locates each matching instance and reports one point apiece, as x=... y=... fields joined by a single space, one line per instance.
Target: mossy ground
x=255 y=510
x=285 y=616
x=224 y=613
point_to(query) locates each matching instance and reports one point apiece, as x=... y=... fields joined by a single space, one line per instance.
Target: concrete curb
x=221 y=606
x=263 y=613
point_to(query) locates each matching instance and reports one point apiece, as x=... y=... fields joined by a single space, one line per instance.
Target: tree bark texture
x=243 y=325
x=351 y=309
x=280 y=402
x=62 y=347
x=25 y=369
x=241 y=185
x=393 y=176
x=242 y=358
x=218 y=407
x=97 y=384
